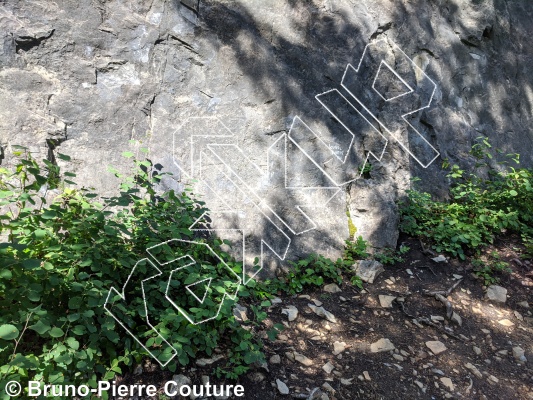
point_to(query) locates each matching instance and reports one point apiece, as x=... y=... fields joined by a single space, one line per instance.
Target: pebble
x=275 y=359
x=202 y=362
x=240 y=313
x=282 y=387
x=328 y=367
x=291 y=312
x=440 y=258
x=332 y=288
x=518 y=353
x=257 y=377
x=448 y=383
x=436 y=346
x=367 y=375
x=457 y=319
x=321 y=312
x=493 y=379
x=523 y=304
x=276 y=300
x=327 y=387
x=386 y=301
x=303 y=359
x=472 y=368
x=346 y=382
x=338 y=348
x=506 y=322
x=497 y=294
x=477 y=350
x=368 y=270
x=397 y=357
x=381 y=345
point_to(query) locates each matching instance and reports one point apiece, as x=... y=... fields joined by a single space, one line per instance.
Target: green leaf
x=56 y=332
x=127 y=154
x=75 y=303
x=40 y=234
x=49 y=214
x=63 y=157
x=31 y=264
x=5 y=274
x=8 y=332
x=513 y=192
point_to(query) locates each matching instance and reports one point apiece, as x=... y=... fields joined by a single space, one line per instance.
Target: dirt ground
x=477 y=361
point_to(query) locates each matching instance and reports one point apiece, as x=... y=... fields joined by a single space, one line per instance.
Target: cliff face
x=224 y=92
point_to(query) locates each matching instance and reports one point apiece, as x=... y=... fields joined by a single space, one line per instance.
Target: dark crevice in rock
x=488 y=32
x=52 y=144
x=185 y=44
x=147 y=109
x=191 y=5
x=470 y=41
x=275 y=132
x=2 y=154
x=28 y=42
x=381 y=29
x=429 y=52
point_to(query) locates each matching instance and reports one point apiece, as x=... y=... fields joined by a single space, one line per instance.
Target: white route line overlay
x=404 y=115
x=261 y=203
x=113 y=292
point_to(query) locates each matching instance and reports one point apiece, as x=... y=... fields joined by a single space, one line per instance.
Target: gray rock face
x=229 y=91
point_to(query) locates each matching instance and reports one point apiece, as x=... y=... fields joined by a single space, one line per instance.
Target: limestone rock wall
x=224 y=91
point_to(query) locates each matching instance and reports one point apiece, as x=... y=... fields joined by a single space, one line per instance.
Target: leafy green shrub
x=478 y=209
x=60 y=259
x=315 y=270
x=392 y=256
x=488 y=268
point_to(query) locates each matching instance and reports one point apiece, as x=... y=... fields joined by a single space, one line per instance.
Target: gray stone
x=332 y=288
x=440 y=258
x=275 y=359
x=436 y=346
x=457 y=319
x=381 y=345
x=328 y=367
x=303 y=359
x=386 y=301
x=338 y=347
x=368 y=270
x=523 y=304
x=472 y=368
x=497 y=294
x=282 y=387
x=322 y=312
x=202 y=362
x=291 y=312
x=240 y=313
x=519 y=354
